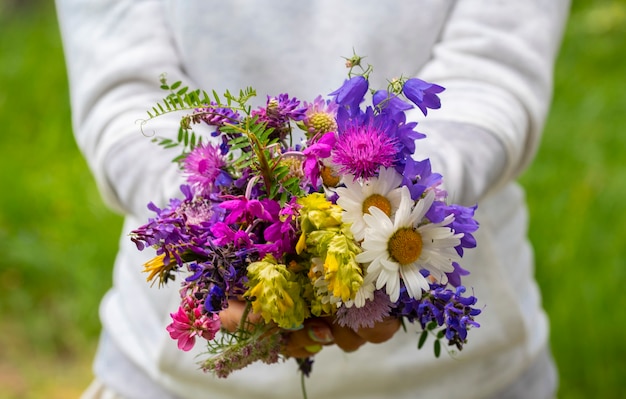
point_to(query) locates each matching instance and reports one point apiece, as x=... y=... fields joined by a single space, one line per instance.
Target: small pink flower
x=190 y=321
x=319 y=150
x=203 y=167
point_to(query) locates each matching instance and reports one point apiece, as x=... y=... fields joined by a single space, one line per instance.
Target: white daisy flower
x=382 y=192
x=400 y=247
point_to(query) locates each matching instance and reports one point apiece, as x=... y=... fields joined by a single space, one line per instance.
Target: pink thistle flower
x=375 y=310
x=203 y=168
x=190 y=322
x=362 y=149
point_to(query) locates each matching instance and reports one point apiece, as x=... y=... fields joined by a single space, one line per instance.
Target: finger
x=231 y=316
x=301 y=352
x=346 y=338
x=309 y=339
x=381 y=332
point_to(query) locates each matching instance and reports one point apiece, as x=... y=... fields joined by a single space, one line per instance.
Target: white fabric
x=495 y=59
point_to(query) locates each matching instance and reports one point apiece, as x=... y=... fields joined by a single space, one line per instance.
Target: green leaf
x=216 y=97
x=422 y=340
x=293 y=183
x=437 y=348
x=176 y=85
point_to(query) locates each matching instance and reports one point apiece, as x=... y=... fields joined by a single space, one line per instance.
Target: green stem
x=258 y=148
x=244 y=320
x=303 y=385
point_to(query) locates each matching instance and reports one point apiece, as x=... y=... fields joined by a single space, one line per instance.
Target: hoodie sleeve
x=115 y=52
x=495 y=58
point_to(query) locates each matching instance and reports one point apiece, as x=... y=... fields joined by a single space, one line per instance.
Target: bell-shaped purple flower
x=389 y=103
x=351 y=93
x=422 y=94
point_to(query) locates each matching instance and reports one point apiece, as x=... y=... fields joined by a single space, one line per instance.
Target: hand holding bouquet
x=307 y=210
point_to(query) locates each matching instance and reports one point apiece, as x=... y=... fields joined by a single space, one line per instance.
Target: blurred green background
x=57 y=240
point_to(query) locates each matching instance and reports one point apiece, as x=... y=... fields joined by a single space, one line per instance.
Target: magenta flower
x=190 y=322
x=281 y=235
x=243 y=210
x=225 y=235
x=321 y=149
x=203 y=168
x=362 y=149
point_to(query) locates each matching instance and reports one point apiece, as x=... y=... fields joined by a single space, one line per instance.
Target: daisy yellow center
x=322 y=122
x=329 y=178
x=405 y=246
x=379 y=201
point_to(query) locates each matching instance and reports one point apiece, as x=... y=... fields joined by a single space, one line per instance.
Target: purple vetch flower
x=282 y=108
x=214 y=115
x=447 y=308
x=422 y=94
x=178 y=228
x=278 y=111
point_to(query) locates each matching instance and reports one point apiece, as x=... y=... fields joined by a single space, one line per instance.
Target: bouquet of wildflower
x=307 y=209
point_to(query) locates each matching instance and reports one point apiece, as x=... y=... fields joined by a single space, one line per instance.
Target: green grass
x=58 y=241
x=576 y=190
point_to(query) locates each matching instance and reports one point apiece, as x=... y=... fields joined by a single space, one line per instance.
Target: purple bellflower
x=422 y=94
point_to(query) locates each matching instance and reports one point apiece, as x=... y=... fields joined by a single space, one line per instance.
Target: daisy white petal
x=358 y=196
x=401 y=247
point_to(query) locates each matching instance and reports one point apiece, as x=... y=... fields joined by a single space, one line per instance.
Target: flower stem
x=303 y=385
x=244 y=320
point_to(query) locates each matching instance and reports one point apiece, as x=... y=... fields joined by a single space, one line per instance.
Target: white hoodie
x=495 y=59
